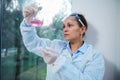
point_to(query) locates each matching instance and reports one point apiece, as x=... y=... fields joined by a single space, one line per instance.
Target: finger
x=29 y=11
x=26 y=13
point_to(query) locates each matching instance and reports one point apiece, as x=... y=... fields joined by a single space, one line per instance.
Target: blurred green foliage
x=16 y=62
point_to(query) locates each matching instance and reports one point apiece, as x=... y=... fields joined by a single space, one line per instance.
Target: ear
x=83 y=30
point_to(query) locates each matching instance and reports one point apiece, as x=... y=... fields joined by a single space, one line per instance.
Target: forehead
x=70 y=19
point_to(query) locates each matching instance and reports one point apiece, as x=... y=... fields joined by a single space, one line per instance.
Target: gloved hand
x=49 y=55
x=30 y=11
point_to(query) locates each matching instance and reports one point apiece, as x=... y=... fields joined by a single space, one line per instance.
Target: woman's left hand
x=49 y=55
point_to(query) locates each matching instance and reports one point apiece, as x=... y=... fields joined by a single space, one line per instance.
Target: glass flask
x=37 y=20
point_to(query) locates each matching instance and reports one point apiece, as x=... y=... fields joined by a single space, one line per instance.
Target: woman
x=72 y=59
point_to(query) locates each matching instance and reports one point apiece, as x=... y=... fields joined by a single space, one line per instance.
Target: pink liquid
x=36 y=23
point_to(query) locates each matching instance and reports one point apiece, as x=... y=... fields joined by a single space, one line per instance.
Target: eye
x=63 y=26
x=70 y=25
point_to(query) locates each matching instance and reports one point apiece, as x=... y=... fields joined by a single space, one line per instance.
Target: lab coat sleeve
x=31 y=40
x=94 y=69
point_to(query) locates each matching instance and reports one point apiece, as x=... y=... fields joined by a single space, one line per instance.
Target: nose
x=65 y=29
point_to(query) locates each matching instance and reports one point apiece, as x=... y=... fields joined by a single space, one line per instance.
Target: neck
x=75 y=45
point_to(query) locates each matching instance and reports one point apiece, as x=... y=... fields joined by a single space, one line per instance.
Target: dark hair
x=82 y=22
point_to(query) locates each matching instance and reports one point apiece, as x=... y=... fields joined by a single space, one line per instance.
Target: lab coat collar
x=86 y=55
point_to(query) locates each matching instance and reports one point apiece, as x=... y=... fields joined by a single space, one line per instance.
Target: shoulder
x=95 y=53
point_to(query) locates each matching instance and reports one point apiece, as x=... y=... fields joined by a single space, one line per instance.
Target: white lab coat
x=86 y=66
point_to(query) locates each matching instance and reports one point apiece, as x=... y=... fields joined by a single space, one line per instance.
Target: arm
x=93 y=69
x=31 y=39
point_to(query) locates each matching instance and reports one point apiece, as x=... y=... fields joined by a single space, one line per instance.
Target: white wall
x=104 y=28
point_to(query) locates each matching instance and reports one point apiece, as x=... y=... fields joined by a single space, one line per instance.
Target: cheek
x=75 y=33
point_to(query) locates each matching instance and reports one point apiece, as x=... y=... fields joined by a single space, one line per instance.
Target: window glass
x=16 y=62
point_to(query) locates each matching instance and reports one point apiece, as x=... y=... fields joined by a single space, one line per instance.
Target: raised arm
x=30 y=38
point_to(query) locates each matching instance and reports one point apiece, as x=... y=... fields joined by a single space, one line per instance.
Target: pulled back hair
x=82 y=22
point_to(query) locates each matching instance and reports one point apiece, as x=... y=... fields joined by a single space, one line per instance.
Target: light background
x=103 y=17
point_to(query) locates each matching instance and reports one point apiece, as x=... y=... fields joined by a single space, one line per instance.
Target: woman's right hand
x=30 y=11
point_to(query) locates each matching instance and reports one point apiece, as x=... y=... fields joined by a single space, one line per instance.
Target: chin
x=67 y=39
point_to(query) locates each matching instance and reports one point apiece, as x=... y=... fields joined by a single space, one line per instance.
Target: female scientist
x=72 y=59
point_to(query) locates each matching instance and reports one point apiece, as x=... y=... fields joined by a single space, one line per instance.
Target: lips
x=66 y=34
